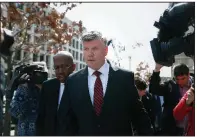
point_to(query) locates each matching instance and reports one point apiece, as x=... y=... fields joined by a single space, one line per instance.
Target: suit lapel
x=85 y=93
x=56 y=94
x=109 y=90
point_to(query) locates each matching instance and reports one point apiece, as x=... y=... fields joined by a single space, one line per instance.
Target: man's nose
x=60 y=70
x=90 y=54
x=180 y=82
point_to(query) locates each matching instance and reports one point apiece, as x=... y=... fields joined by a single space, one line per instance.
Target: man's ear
x=73 y=67
x=106 y=50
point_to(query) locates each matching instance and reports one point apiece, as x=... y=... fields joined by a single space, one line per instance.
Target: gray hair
x=64 y=53
x=92 y=35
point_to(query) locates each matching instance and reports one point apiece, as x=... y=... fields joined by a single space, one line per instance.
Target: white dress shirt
x=61 y=92
x=92 y=78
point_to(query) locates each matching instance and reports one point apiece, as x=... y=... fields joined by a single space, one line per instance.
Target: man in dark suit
x=103 y=100
x=51 y=94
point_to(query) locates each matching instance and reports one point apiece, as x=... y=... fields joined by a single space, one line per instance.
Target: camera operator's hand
x=190 y=96
x=158 y=67
x=24 y=78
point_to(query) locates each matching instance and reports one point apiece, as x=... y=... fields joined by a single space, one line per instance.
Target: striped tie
x=98 y=94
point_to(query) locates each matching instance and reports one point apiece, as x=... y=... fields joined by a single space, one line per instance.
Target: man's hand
x=190 y=96
x=24 y=78
x=158 y=67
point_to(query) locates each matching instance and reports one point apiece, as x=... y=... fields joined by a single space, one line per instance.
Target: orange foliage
x=48 y=23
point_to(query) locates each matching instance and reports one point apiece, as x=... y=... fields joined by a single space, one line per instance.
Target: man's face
x=141 y=92
x=94 y=53
x=63 y=67
x=182 y=80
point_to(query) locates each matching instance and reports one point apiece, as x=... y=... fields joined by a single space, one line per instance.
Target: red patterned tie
x=98 y=94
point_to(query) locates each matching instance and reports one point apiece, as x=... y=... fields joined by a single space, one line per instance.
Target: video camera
x=36 y=74
x=173 y=37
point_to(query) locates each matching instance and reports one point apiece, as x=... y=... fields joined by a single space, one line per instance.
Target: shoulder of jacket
x=50 y=81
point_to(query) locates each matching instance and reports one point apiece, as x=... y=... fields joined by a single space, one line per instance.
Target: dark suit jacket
x=149 y=104
x=121 y=107
x=47 y=114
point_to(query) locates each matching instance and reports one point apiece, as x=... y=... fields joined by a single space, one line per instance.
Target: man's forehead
x=96 y=42
x=181 y=76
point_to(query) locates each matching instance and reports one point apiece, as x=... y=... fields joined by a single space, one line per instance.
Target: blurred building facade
x=75 y=48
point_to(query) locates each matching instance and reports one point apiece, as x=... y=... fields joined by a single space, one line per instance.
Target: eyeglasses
x=64 y=67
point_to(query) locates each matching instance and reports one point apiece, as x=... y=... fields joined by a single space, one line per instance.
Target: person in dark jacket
x=172 y=91
x=102 y=99
x=51 y=94
x=1 y=98
x=147 y=99
x=25 y=101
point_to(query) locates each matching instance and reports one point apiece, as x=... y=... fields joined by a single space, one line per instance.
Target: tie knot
x=97 y=73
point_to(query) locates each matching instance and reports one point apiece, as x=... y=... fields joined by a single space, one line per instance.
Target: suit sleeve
x=41 y=113
x=181 y=109
x=67 y=123
x=155 y=87
x=140 y=118
x=19 y=104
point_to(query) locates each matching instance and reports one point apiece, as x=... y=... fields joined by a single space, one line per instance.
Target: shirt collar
x=104 y=69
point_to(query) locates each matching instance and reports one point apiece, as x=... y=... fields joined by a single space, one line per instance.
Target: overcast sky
x=128 y=23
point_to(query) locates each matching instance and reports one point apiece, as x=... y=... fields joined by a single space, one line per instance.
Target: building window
x=70 y=51
x=81 y=47
x=35 y=57
x=73 y=54
x=73 y=43
x=77 y=55
x=41 y=57
x=77 y=46
x=48 y=61
x=77 y=67
x=69 y=43
x=25 y=54
x=81 y=57
x=80 y=66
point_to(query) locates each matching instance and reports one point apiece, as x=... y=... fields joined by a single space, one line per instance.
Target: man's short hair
x=64 y=53
x=140 y=84
x=181 y=70
x=92 y=35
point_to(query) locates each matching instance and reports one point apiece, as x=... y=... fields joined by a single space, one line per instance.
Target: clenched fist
x=190 y=96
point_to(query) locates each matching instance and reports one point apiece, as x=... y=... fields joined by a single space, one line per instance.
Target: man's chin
x=61 y=79
x=92 y=66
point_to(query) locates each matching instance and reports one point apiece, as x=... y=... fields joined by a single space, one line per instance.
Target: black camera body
x=36 y=74
x=172 y=38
